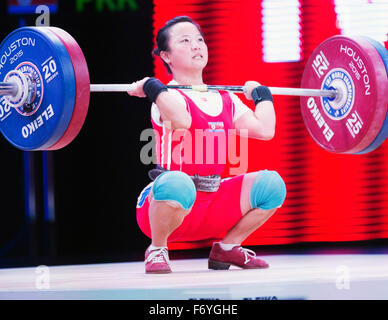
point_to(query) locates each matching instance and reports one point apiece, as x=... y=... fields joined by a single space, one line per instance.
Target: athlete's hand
x=248 y=87
x=137 y=88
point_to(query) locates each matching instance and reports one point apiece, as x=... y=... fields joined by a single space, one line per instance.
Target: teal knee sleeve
x=268 y=190
x=175 y=186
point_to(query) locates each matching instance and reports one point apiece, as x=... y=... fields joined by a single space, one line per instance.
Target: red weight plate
x=82 y=88
x=350 y=122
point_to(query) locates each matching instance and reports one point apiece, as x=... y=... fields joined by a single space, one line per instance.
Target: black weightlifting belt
x=202 y=183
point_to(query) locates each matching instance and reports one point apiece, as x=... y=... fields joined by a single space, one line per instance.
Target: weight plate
x=43 y=58
x=350 y=122
x=384 y=130
x=82 y=83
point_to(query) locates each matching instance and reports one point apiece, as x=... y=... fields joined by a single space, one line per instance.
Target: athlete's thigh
x=225 y=210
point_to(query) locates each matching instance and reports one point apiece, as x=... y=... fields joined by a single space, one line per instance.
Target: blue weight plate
x=383 y=134
x=41 y=56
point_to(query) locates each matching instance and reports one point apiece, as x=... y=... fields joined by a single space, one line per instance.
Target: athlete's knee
x=175 y=186
x=268 y=190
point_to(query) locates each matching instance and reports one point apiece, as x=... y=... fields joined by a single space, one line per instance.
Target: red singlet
x=202 y=150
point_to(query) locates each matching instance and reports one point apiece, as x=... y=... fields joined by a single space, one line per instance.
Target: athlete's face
x=187 y=48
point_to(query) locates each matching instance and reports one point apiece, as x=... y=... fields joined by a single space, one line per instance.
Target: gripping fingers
x=136 y=88
x=248 y=87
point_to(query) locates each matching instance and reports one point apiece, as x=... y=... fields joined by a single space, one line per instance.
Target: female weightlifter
x=188 y=200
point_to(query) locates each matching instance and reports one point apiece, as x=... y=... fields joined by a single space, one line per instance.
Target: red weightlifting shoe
x=220 y=259
x=157 y=261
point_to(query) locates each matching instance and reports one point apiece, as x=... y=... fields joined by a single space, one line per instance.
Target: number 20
x=49 y=68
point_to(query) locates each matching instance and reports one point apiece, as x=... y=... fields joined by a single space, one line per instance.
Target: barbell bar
x=344 y=94
x=9 y=88
x=205 y=88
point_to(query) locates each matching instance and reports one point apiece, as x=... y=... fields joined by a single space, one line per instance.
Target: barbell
x=45 y=91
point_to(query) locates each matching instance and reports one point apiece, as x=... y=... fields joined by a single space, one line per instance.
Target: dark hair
x=163 y=36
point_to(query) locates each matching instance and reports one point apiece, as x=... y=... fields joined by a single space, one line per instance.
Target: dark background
x=98 y=177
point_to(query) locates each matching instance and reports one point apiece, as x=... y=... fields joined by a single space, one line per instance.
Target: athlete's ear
x=165 y=57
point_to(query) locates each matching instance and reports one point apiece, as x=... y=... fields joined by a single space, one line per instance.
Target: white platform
x=323 y=277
